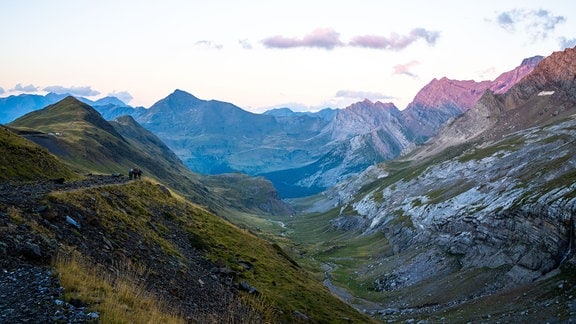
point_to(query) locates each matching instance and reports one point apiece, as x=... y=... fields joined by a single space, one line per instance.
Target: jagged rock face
x=445 y=92
x=546 y=94
x=359 y=136
x=555 y=73
x=506 y=204
x=443 y=99
x=508 y=79
x=494 y=190
x=364 y=117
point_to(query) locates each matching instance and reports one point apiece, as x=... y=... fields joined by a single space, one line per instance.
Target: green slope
x=132 y=208
x=21 y=159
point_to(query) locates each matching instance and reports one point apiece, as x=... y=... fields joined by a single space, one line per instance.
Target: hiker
x=130 y=173
x=137 y=173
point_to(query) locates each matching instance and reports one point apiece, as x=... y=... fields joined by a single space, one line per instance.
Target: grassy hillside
x=141 y=216
x=23 y=160
x=78 y=135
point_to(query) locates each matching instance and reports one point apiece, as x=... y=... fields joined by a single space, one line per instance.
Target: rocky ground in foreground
x=28 y=289
x=31 y=293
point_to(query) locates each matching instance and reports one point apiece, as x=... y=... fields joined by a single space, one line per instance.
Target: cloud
x=245 y=44
x=75 y=91
x=404 y=69
x=125 y=96
x=208 y=45
x=373 y=96
x=325 y=38
x=2 y=90
x=28 y=88
x=536 y=23
x=567 y=43
x=395 y=42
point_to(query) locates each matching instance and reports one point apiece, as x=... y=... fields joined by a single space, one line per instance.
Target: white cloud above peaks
x=326 y=38
x=395 y=41
x=25 y=88
x=536 y=23
x=75 y=91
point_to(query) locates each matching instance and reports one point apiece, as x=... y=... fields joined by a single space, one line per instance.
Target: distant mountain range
x=13 y=107
x=305 y=153
x=77 y=134
x=301 y=153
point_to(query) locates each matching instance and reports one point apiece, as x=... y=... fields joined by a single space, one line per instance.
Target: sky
x=304 y=55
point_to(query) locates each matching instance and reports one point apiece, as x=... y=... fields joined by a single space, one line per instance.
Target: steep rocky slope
x=486 y=220
x=479 y=223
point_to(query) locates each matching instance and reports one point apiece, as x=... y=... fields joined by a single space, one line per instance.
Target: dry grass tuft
x=118 y=299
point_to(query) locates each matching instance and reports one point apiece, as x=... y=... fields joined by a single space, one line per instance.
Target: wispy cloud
x=245 y=44
x=404 y=69
x=125 y=96
x=536 y=23
x=360 y=95
x=25 y=88
x=326 y=38
x=208 y=45
x=395 y=41
x=75 y=91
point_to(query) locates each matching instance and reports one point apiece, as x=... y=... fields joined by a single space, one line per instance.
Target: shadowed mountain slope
x=21 y=159
x=78 y=134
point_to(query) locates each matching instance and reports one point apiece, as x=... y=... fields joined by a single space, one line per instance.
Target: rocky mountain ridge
x=441 y=100
x=545 y=95
x=504 y=208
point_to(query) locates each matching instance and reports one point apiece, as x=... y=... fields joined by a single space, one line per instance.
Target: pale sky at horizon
x=258 y=55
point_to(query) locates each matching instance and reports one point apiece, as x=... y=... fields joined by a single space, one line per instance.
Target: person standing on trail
x=130 y=173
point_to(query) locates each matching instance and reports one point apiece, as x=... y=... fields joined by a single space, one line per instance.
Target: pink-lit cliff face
x=464 y=94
